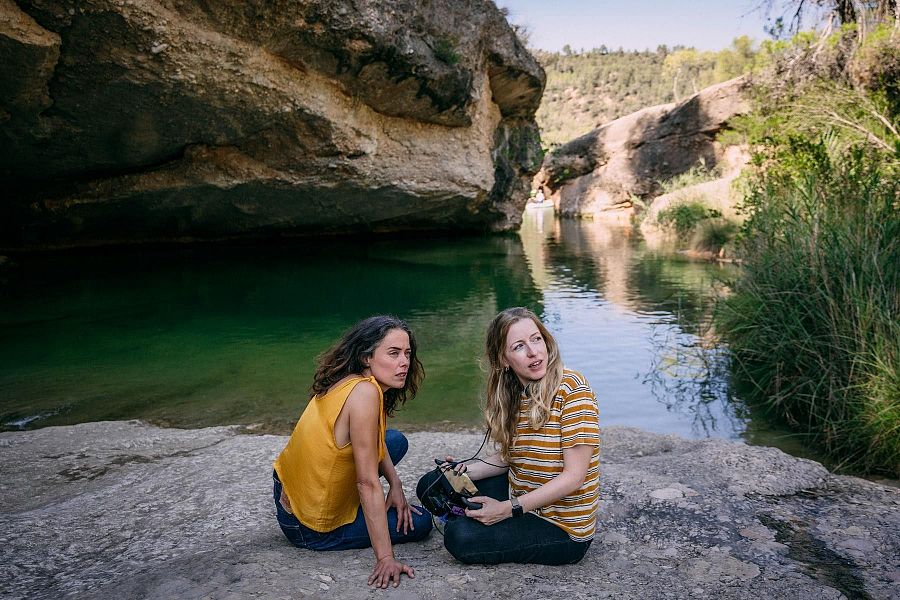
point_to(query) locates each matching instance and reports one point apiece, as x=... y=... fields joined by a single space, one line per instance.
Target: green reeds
x=713 y=235
x=814 y=321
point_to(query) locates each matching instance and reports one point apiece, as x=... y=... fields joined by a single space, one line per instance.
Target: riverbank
x=124 y=509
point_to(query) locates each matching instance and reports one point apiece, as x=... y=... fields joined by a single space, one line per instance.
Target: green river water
x=199 y=336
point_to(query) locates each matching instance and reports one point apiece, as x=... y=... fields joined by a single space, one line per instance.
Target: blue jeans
x=527 y=539
x=355 y=534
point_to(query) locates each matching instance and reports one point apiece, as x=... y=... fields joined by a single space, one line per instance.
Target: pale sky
x=636 y=24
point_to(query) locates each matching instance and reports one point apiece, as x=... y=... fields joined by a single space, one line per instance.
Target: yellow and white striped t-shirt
x=536 y=456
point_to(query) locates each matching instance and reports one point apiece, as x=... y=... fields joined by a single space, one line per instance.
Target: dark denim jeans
x=528 y=539
x=355 y=534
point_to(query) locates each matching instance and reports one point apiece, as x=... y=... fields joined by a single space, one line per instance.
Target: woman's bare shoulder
x=343 y=381
x=365 y=392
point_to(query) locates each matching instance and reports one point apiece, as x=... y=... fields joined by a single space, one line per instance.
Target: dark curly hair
x=347 y=357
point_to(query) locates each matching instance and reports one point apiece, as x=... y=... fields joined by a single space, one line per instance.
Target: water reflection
x=204 y=336
x=632 y=321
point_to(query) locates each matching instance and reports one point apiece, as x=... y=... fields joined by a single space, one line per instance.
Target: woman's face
x=389 y=364
x=525 y=351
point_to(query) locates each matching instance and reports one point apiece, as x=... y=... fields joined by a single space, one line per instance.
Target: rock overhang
x=313 y=95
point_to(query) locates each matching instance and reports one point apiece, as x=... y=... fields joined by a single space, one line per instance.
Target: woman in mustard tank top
x=328 y=495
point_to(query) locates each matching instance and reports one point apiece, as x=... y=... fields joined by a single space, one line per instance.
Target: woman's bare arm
x=576 y=461
x=364 y=410
x=486 y=467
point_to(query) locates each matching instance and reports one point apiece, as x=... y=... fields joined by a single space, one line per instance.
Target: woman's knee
x=422 y=524
x=460 y=540
x=396 y=444
x=420 y=527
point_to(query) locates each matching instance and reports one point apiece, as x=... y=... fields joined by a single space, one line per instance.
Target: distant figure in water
x=328 y=495
x=539 y=197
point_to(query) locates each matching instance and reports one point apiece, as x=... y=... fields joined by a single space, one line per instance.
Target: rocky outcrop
x=719 y=194
x=598 y=173
x=124 y=510
x=170 y=120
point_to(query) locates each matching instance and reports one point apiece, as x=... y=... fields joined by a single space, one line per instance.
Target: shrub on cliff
x=715 y=235
x=876 y=65
x=697 y=226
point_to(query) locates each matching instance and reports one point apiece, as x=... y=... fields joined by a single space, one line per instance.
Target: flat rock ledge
x=128 y=510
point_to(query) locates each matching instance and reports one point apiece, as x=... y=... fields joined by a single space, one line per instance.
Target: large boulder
x=169 y=120
x=599 y=173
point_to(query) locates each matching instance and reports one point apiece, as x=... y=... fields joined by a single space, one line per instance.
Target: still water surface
x=206 y=336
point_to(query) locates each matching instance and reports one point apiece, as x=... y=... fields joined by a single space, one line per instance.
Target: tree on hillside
x=735 y=60
x=689 y=70
x=588 y=88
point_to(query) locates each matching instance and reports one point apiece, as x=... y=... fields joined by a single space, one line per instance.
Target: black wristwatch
x=516 y=507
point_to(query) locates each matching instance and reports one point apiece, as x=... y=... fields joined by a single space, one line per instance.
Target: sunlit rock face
x=600 y=173
x=175 y=120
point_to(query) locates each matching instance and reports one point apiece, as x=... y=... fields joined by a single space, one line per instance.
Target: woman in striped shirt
x=539 y=491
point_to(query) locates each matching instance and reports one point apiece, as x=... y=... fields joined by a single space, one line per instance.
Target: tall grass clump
x=713 y=235
x=684 y=216
x=697 y=227
x=814 y=321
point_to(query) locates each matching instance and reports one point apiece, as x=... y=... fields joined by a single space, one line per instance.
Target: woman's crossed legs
x=528 y=539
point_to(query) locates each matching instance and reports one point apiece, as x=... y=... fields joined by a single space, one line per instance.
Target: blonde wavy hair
x=504 y=390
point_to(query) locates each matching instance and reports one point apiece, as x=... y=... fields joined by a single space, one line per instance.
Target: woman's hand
x=491 y=511
x=478 y=468
x=397 y=499
x=389 y=569
x=459 y=469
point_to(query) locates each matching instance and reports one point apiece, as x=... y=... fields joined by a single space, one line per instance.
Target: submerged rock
x=126 y=510
x=171 y=120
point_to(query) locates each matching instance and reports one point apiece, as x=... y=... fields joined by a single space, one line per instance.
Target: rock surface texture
x=125 y=510
x=169 y=120
x=598 y=173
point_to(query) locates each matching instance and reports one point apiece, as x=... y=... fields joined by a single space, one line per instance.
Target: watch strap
x=516 y=507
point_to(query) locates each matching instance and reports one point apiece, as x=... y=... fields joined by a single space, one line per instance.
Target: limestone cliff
x=173 y=120
x=598 y=173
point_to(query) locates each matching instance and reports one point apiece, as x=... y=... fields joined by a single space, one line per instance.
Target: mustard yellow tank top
x=319 y=477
